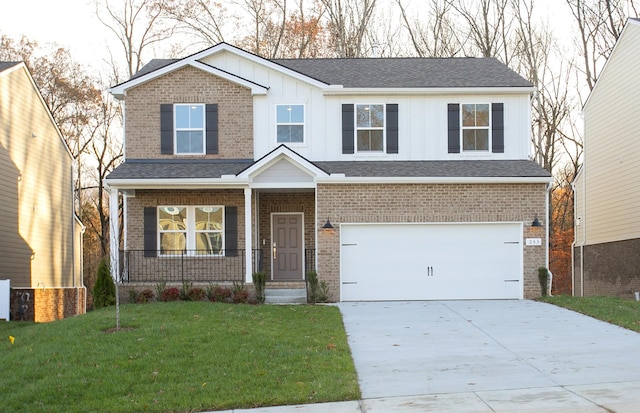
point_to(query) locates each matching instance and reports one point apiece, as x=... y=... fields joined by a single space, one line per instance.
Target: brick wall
x=48 y=304
x=189 y=85
x=421 y=203
x=610 y=269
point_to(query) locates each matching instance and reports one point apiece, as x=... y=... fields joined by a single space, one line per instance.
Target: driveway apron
x=483 y=347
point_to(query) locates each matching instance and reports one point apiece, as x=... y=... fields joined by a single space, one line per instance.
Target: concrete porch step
x=285 y=296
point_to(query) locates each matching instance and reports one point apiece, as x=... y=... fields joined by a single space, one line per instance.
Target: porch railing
x=309 y=259
x=186 y=265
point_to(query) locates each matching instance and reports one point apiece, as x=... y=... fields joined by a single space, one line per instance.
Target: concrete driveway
x=490 y=356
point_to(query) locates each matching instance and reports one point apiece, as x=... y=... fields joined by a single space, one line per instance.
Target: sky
x=73 y=25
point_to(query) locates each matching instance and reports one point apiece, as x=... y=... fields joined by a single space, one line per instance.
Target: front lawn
x=177 y=357
x=625 y=313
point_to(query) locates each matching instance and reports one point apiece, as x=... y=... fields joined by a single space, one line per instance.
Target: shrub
x=145 y=296
x=104 y=291
x=220 y=294
x=259 y=280
x=196 y=294
x=543 y=277
x=312 y=286
x=323 y=292
x=240 y=293
x=170 y=294
x=133 y=295
x=184 y=290
x=160 y=287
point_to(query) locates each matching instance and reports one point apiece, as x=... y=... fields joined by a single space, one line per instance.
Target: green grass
x=622 y=312
x=179 y=357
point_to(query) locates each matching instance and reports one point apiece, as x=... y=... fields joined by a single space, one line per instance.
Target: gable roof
x=356 y=73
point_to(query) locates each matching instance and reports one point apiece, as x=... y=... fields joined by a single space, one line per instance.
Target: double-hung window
x=370 y=128
x=189 y=129
x=475 y=127
x=191 y=230
x=290 y=123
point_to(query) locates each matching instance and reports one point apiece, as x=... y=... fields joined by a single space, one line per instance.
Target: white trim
x=248 y=247
x=444 y=91
x=120 y=91
x=159 y=183
x=202 y=129
x=383 y=128
x=281 y=152
x=304 y=142
x=340 y=179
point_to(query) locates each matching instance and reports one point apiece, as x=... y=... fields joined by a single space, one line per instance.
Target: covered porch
x=261 y=218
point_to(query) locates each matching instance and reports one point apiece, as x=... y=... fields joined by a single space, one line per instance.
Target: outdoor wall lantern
x=327 y=226
x=536 y=222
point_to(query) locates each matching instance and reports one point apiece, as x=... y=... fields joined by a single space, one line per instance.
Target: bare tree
x=437 y=36
x=206 y=20
x=137 y=24
x=599 y=23
x=348 y=22
x=488 y=26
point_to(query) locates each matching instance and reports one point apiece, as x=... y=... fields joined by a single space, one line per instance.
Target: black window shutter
x=392 y=128
x=166 y=129
x=497 y=128
x=231 y=231
x=212 y=128
x=453 y=110
x=150 y=231
x=348 y=128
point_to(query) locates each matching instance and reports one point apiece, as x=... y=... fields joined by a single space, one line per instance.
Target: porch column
x=247 y=236
x=114 y=235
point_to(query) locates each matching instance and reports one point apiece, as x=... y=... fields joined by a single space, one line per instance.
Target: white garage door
x=430 y=261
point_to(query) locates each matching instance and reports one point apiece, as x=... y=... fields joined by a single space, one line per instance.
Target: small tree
x=104 y=292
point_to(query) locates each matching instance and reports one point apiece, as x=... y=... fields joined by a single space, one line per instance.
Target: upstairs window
x=189 y=129
x=290 y=123
x=370 y=128
x=475 y=127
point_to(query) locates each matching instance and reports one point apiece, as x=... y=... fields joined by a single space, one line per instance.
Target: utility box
x=5 y=295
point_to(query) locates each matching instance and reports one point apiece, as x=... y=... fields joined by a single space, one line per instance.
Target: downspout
x=546 y=196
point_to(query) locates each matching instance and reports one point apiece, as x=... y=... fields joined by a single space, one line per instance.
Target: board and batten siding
x=36 y=206
x=612 y=146
x=422 y=119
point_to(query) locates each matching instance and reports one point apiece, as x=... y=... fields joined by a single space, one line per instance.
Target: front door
x=287 y=246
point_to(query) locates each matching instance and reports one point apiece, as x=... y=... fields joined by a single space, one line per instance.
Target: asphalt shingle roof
x=194 y=169
x=402 y=72
x=408 y=72
x=7 y=65
x=178 y=169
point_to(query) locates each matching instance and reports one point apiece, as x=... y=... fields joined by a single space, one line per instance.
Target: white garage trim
x=431 y=261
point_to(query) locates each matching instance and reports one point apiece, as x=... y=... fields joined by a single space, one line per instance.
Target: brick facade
x=611 y=269
x=47 y=304
x=423 y=203
x=189 y=85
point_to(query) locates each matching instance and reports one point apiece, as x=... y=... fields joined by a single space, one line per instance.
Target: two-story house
x=400 y=178
x=606 y=253
x=41 y=239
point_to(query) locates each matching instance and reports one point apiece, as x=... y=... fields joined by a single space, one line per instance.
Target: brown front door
x=286 y=248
